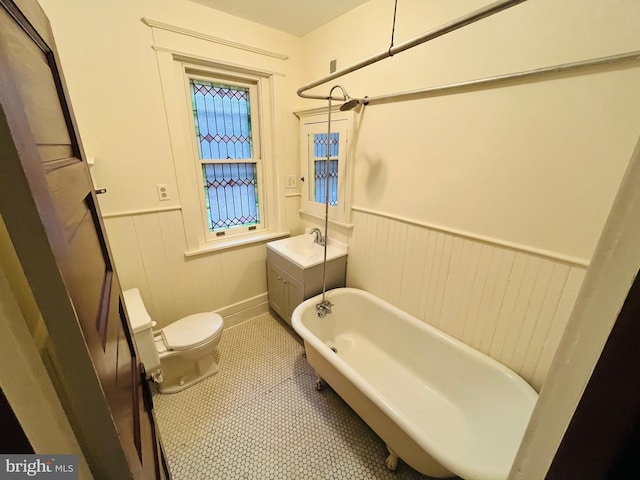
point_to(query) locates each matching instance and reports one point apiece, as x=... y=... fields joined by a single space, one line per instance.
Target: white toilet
x=180 y=354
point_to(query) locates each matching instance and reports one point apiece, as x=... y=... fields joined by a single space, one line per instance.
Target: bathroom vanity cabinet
x=290 y=284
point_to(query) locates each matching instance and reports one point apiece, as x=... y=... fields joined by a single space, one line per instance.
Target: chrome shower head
x=351 y=104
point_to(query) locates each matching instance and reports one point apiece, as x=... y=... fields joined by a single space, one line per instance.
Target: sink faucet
x=319 y=239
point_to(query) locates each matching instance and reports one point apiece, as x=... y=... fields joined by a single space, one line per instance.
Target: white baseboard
x=245 y=310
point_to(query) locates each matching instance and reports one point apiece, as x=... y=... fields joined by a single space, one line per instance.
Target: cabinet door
x=277 y=289
x=295 y=296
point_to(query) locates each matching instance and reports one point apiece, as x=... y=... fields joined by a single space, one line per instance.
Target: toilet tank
x=142 y=326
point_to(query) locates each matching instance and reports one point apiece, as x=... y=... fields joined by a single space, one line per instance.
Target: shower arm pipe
x=460 y=22
x=487 y=82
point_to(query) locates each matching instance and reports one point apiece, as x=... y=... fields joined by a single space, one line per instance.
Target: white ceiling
x=296 y=17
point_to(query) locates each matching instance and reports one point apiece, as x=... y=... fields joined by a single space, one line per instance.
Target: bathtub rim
x=424 y=439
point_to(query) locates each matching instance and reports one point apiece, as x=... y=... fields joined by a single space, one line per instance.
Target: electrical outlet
x=292 y=181
x=163 y=192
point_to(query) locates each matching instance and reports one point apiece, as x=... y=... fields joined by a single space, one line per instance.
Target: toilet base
x=180 y=373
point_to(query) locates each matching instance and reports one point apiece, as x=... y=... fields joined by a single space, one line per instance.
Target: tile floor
x=260 y=417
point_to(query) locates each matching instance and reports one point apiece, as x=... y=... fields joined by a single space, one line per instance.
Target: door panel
x=127 y=385
x=51 y=157
x=38 y=87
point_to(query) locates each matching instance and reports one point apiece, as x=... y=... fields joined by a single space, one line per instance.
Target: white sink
x=304 y=252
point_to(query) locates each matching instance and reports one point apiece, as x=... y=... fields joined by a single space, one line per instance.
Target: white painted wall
x=508 y=303
x=535 y=164
x=526 y=171
x=112 y=74
x=478 y=212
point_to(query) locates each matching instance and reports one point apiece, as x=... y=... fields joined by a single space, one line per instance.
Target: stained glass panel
x=320 y=167
x=222 y=118
x=231 y=195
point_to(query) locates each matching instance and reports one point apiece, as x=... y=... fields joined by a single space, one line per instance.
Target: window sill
x=234 y=242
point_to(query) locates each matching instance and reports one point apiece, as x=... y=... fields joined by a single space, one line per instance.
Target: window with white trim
x=314 y=147
x=221 y=132
x=227 y=143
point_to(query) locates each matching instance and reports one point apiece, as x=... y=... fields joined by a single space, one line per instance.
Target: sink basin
x=304 y=245
x=304 y=252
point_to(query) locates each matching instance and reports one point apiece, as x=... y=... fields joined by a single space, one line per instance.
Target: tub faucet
x=323 y=308
x=319 y=239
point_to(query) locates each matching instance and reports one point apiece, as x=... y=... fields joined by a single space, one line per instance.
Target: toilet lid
x=192 y=331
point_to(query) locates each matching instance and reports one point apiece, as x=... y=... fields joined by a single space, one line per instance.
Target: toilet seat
x=192 y=331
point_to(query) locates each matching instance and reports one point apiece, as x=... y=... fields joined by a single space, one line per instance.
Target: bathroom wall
x=508 y=302
x=478 y=211
x=112 y=72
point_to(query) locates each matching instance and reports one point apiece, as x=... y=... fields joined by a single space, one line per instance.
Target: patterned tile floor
x=260 y=417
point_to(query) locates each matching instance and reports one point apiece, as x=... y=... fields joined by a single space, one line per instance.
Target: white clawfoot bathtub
x=439 y=405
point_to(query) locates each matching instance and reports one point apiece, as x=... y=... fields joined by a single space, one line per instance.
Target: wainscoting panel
x=510 y=303
x=148 y=249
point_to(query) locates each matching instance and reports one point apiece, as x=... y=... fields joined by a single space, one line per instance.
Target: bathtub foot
x=319 y=384
x=392 y=459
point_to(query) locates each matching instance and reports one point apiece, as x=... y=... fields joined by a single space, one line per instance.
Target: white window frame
x=312 y=123
x=174 y=69
x=254 y=98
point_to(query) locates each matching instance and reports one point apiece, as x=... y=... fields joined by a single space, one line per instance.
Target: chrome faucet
x=323 y=308
x=319 y=239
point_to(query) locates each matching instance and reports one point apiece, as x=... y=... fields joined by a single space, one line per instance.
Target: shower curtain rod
x=437 y=32
x=510 y=77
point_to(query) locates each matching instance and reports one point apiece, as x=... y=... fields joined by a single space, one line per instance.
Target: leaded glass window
x=315 y=145
x=222 y=120
x=320 y=167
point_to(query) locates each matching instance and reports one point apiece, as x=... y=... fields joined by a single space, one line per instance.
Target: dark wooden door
x=41 y=131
